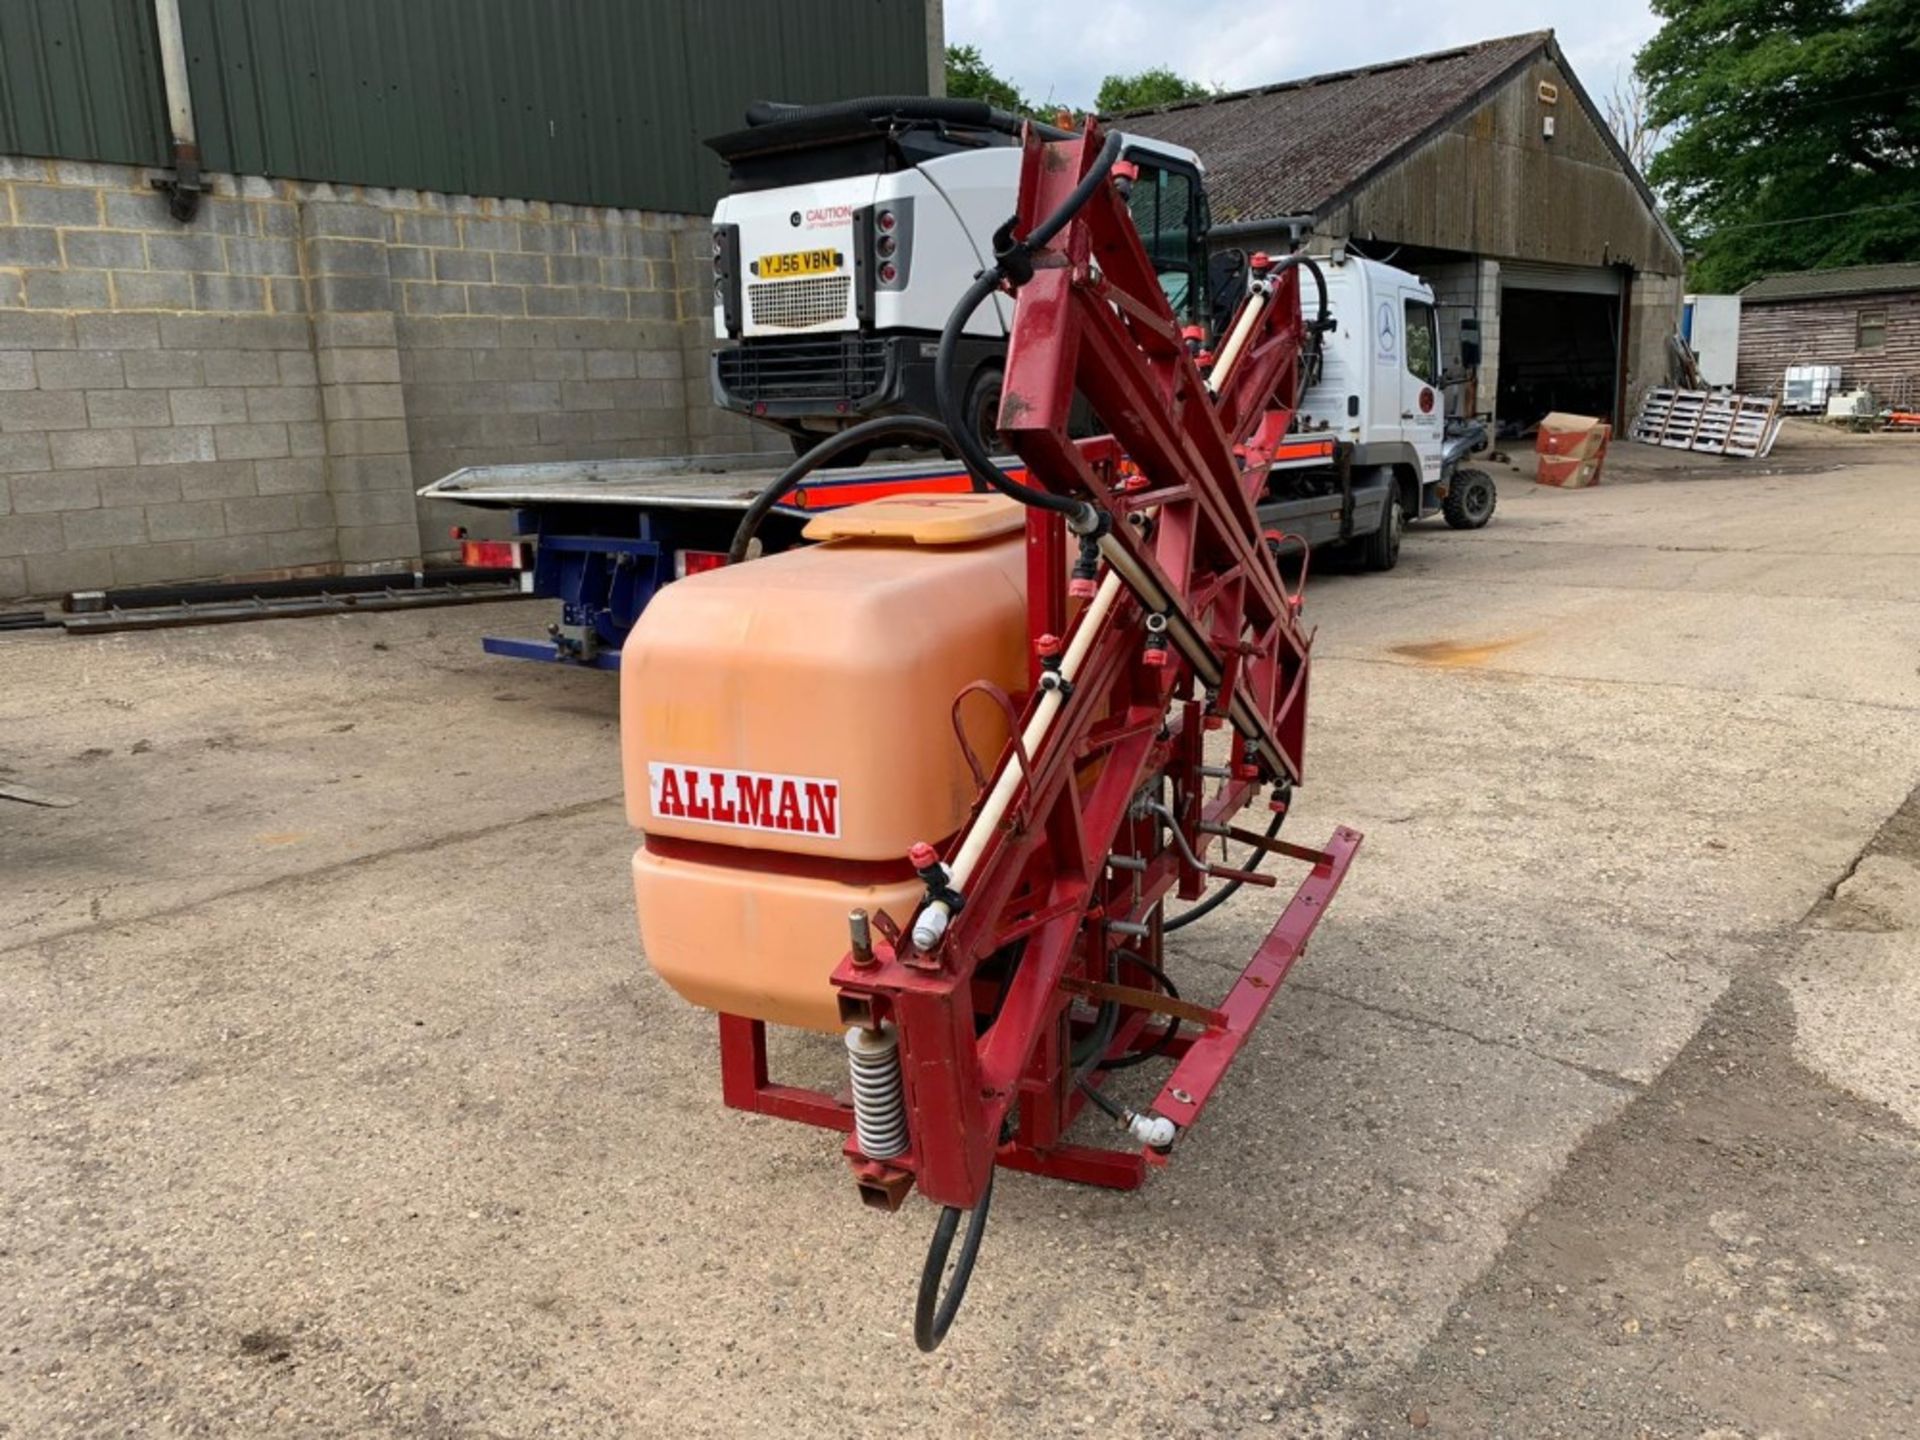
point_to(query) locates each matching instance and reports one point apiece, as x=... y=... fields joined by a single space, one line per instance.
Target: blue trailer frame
x=604 y=536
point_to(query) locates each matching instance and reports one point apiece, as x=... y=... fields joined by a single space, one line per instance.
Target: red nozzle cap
x=1193 y=332
x=1125 y=170
x=1156 y=657
x=922 y=855
x=1205 y=357
x=1047 y=646
x=1214 y=722
x=1247 y=772
x=1081 y=589
x=1261 y=260
x=1134 y=483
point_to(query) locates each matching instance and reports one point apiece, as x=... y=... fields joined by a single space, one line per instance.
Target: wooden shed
x=1488 y=171
x=1863 y=318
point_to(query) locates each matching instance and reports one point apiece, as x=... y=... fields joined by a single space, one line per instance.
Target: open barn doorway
x=1559 y=350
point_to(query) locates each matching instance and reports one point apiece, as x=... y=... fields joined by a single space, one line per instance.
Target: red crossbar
x=1192 y=1082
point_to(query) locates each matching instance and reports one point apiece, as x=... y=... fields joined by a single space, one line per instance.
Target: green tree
x=1158 y=86
x=1795 y=132
x=969 y=77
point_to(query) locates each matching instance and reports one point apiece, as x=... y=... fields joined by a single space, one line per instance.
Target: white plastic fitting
x=1154 y=1131
x=931 y=925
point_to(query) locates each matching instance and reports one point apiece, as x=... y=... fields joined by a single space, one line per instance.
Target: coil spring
x=879 y=1105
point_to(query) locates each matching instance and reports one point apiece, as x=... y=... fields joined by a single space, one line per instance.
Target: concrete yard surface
x=337 y=1099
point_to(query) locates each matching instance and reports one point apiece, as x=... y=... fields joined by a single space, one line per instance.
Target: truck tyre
x=1470 y=499
x=1381 y=550
x=983 y=408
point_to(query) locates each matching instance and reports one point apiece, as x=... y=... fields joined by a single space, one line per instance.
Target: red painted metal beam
x=1200 y=1070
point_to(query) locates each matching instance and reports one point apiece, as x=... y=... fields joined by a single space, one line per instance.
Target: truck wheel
x=983 y=409
x=804 y=441
x=1381 y=550
x=1470 y=499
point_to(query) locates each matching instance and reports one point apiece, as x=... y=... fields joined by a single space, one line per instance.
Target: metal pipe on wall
x=183 y=188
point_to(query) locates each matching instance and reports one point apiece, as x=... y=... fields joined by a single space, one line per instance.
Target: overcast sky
x=1060 y=51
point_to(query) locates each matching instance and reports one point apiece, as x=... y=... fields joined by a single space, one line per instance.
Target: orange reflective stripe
x=1304 y=450
x=832 y=494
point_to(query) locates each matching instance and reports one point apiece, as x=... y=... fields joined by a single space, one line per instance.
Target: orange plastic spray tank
x=787 y=734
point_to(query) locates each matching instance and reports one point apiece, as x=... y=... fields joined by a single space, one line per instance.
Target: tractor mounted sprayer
x=931 y=782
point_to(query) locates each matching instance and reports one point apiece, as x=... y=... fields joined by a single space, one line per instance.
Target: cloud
x=1060 y=53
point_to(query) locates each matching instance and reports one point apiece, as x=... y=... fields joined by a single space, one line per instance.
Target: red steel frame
x=985 y=1057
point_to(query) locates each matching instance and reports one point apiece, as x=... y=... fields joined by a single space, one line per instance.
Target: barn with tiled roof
x=1488 y=171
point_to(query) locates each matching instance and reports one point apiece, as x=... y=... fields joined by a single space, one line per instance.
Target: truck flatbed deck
x=718 y=482
x=601 y=536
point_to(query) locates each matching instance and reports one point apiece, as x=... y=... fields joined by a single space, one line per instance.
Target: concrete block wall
x=1456 y=294
x=1462 y=288
x=262 y=390
x=1652 y=311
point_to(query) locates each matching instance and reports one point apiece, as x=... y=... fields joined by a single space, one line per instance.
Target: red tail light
x=494 y=554
x=694 y=562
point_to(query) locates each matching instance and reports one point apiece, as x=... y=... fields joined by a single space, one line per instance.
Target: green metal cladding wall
x=80 y=79
x=599 y=102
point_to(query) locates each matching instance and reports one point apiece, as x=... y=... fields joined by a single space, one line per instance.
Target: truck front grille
x=800 y=367
x=796 y=304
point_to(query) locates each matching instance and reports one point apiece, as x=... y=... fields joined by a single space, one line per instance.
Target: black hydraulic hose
x=888 y=427
x=1100 y=1098
x=1226 y=892
x=1103 y=163
x=947 y=110
x=1301 y=260
x=1013 y=261
x=1085 y=1056
x=953 y=407
x=932 y=1315
x=1159 y=1047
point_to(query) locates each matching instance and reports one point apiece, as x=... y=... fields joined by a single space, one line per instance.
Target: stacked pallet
x=1712 y=423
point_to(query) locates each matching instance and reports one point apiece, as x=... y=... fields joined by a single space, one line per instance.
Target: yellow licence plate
x=797 y=262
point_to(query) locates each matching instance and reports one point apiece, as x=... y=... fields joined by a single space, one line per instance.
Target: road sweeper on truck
x=848 y=234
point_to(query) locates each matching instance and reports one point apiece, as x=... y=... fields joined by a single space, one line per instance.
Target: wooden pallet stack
x=1710 y=422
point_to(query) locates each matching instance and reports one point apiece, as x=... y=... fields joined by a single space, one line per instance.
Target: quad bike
x=1470 y=493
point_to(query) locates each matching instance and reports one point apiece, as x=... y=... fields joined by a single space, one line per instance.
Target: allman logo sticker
x=748 y=799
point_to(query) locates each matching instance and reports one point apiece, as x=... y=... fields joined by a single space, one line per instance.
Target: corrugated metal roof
x=1294 y=148
x=1818 y=284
